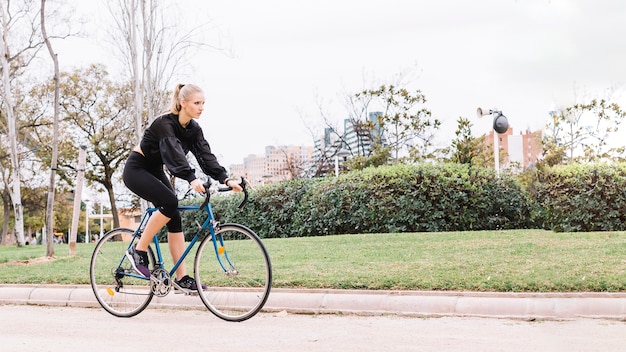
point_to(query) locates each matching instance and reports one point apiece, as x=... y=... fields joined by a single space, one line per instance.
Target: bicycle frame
x=209 y=223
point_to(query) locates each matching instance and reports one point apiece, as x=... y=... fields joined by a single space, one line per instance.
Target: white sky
x=523 y=57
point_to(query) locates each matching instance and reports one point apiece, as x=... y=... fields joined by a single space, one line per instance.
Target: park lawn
x=496 y=261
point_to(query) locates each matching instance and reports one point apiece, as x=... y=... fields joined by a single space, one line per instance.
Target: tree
x=363 y=125
x=17 y=50
x=19 y=47
x=465 y=149
x=328 y=150
x=99 y=110
x=153 y=45
x=386 y=124
x=406 y=126
x=95 y=113
x=580 y=133
x=55 y=138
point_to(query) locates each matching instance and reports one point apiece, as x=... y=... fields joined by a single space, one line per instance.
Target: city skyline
x=518 y=149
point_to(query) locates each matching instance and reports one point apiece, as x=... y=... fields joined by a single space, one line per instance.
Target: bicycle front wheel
x=118 y=288
x=236 y=270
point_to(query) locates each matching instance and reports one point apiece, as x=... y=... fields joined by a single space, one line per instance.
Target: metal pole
x=78 y=192
x=86 y=220
x=496 y=152
x=101 y=221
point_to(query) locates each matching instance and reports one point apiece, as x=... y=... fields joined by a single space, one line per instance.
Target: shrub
x=432 y=198
x=583 y=197
x=409 y=198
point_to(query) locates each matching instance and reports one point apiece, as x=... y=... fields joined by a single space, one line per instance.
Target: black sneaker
x=139 y=260
x=188 y=283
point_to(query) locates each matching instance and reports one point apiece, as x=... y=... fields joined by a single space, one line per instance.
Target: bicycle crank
x=160 y=282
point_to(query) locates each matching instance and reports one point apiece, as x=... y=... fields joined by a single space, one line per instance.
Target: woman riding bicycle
x=166 y=142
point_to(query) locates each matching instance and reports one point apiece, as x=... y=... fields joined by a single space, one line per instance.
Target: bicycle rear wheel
x=239 y=281
x=118 y=288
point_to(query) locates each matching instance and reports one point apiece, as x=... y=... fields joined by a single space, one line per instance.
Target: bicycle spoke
x=239 y=281
x=118 y=289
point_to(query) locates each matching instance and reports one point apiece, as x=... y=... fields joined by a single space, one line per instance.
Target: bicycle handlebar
x=207 y=196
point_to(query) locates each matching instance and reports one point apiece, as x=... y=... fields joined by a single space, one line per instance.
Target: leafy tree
x=96 y=114
x=99 y=110
x=406 y=126
x=580 y=133
x=34 y=200
x=465 y=149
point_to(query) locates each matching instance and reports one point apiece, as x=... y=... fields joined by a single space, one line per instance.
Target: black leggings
x=150 y=183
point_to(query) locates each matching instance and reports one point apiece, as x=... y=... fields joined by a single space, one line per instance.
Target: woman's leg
x=176 y=242
x=150 y=183
x=154 y=225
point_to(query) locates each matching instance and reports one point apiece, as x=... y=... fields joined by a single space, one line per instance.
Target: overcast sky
x=523 y=57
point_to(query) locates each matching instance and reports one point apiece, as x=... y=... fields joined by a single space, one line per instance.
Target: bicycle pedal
x=185 y=291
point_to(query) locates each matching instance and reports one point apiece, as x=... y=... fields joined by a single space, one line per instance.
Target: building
x=277 y=164
x=253 y=169
x=285 y=163
x=517 y=150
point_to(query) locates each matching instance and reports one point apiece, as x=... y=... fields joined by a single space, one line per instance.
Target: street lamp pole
x=86 y=220
x=496 y=153
x=101 y=220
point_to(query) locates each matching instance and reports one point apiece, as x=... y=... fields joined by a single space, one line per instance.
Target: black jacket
x=166 y=142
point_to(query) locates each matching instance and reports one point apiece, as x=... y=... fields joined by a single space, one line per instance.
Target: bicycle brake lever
x=207 y=194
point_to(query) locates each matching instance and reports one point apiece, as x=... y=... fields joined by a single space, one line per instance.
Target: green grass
x=504 y=261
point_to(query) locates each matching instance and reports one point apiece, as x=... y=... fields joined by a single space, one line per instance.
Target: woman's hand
x=234 y=184
x=197 y=185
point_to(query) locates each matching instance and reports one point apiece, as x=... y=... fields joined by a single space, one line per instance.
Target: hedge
x=432 y=198
x=400 y=198
x=583 y=198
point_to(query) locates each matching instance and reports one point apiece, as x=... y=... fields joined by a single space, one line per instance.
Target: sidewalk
x=526 y=306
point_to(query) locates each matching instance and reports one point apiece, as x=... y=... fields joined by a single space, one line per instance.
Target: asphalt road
x=48 y=328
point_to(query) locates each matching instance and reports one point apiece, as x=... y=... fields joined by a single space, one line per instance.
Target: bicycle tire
x=228 y=295
x=127 y=294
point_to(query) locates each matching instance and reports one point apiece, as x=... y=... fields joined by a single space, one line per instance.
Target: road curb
x=525 y=306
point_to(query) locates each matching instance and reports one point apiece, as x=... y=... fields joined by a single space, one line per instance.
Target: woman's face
x=194 y=105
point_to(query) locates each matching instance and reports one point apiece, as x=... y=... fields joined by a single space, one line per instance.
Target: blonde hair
x=182 y=92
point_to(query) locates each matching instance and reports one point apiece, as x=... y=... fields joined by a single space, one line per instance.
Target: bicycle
x=237 y=284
